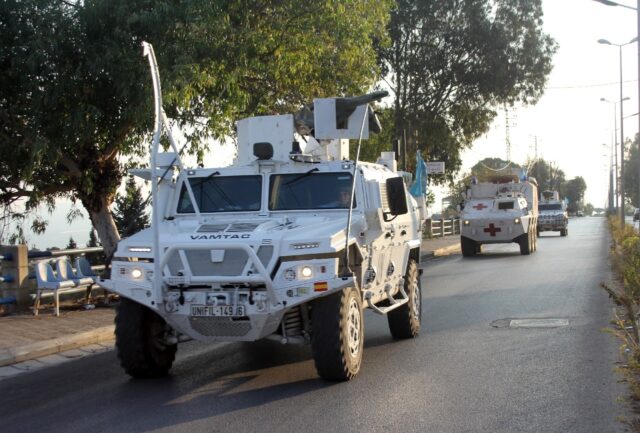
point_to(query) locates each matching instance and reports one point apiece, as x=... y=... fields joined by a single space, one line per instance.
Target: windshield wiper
x=295 y=179
x=203 y=179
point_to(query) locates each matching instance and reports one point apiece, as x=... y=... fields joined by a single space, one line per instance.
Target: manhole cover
x=538 y=323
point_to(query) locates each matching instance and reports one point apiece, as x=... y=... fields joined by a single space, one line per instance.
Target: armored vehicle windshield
x=311 y=190
x=222 y=194
x=551 y=206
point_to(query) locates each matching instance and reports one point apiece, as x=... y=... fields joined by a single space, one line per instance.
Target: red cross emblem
x=492 y=229
x=480 y=206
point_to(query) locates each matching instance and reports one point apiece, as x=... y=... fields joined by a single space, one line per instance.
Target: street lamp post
x=610 y=179
x=637 y=9
x=614 y=147
x=606 y=42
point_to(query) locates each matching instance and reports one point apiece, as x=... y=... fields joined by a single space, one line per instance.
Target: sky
x=570 y=124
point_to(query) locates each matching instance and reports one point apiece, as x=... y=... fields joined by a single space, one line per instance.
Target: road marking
x=538 y=323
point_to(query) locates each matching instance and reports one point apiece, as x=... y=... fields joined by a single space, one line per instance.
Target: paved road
x=468 y=372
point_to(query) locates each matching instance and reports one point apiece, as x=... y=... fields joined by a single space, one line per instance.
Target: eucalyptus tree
x=76 y=94
x=451 y=63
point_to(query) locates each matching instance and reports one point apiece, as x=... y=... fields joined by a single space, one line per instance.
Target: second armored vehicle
x=552 y=214
x=502 y=211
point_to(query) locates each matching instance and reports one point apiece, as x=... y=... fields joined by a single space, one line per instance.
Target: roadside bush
x=625 y=291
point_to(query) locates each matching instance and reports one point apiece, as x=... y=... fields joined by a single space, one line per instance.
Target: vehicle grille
x=242 y=227
x=212 y=228
x=201 y=264
x=220 y=326
x=233 y=264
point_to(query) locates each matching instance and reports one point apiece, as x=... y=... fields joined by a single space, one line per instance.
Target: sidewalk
x=24 y=337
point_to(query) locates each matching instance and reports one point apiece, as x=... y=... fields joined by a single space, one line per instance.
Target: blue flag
x=419 y=187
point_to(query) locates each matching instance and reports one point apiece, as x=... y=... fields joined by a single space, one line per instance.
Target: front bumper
x=493 y=231
x=264 y=300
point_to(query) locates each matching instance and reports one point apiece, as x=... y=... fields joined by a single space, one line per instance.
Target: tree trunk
x=102 y=221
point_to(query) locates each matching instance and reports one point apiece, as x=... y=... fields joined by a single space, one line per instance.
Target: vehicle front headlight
x=466 y=222
x=136 y=273
x=516 y=220
x=305 y=271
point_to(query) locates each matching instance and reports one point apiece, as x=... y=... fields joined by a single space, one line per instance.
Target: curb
x=55 y=345
x=451 y=249
x=441 y=252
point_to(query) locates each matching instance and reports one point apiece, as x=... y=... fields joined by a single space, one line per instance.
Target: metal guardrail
x=57 y=253
x=33 y=256
x=439 y=228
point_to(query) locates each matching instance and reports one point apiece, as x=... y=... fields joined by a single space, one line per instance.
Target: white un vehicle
x=552 y=214
x=502 y=211
x=291 y=242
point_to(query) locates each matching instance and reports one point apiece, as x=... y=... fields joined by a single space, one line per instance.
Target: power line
x=583 y=86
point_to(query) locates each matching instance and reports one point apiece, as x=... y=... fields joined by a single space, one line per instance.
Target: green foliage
x=574 y=190
x=588 y=209
x=93 y=239
x=377 y=143
x=95 y=258
x=626 y=264
x=484 y=171
x=129 y=212
x=72 y=244
x=548 y=175
x=489 y=168
x=631 y=175
x=451 y=62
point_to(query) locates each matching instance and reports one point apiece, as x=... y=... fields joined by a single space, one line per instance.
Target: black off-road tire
x=404 y=322
x=468 y=247
x=525 y=244
x=337 y=335
x=564 y=232
x=139 y=341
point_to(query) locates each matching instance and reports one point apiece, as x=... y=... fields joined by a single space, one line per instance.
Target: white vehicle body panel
x=499 y=213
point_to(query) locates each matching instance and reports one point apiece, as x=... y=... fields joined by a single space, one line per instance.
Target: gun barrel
x=355 y=101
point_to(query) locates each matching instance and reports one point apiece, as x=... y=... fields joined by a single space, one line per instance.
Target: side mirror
x=396 y=196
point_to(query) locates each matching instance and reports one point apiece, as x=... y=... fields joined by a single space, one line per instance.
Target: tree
x=129 y=212
x=452 y=62
x=631 y=175
x=548 y=175
x=588 y=209
x=93 y=239
x=94 y=242
x=72 y=245
x=574 y=191
x=76 y=98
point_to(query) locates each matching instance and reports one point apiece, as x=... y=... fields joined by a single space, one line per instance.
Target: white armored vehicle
x=503 y=211
x=291 y=243
x=552 y=214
